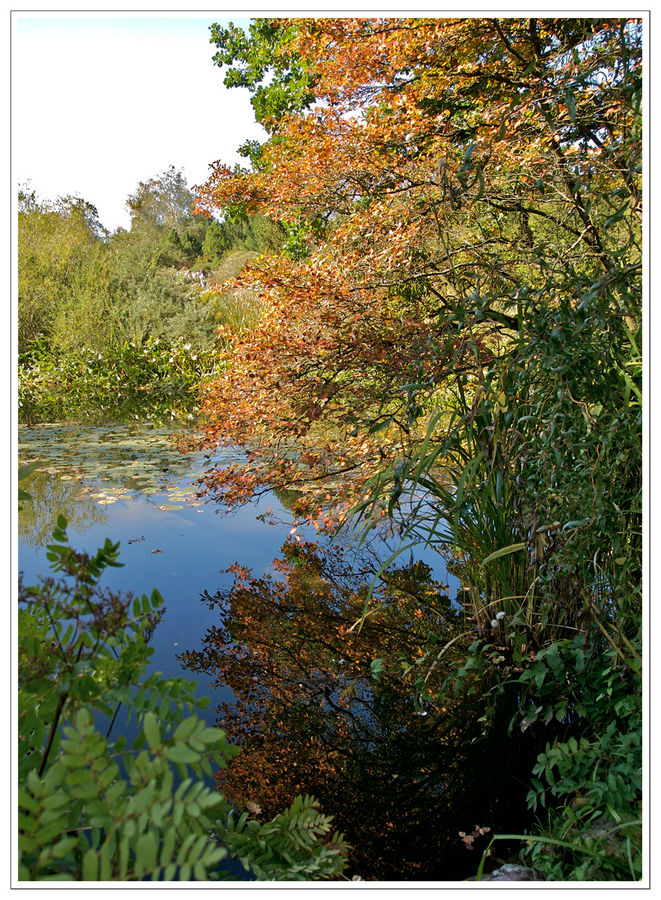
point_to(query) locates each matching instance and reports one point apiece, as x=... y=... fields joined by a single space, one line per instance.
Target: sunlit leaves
x=452 y=166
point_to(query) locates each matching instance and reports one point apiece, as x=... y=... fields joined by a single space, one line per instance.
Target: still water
x=373 y=762
x=131 y=484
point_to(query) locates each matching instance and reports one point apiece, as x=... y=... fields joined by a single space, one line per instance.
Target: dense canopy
x=452 y=337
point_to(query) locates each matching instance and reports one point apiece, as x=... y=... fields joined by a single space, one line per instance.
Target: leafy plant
x=291 y=847
x=153 y=381
x=81 y=820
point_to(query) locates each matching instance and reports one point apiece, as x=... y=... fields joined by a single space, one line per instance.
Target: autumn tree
x=469 y=192
x=455 y=339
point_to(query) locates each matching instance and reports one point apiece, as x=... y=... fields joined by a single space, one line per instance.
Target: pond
x=131 y=484
x=272 y=645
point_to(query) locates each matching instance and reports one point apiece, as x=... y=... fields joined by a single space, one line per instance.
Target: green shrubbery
x=152 y=381
x=125 y=325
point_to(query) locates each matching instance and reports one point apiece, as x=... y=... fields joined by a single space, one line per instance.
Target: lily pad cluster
x=116 y=462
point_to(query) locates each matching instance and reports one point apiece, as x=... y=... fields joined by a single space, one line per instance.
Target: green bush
x=152 y=380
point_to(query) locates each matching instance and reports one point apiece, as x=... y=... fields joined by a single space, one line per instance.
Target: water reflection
x=170 y=539
x=49 y=492
x=320 y=711
x=313 y=709
x=122 y=461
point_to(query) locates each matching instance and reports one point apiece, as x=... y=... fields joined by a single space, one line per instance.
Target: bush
x=153 y=381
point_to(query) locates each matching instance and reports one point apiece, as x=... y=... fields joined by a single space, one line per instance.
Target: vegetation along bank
x=435 y=321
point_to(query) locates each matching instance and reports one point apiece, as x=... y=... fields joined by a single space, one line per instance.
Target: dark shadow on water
x=353 y=714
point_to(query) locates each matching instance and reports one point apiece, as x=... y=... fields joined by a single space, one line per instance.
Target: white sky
x=102 y=101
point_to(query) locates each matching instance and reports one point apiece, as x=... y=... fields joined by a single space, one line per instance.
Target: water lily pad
x=113 y=462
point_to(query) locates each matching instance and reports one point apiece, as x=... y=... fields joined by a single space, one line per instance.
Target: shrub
x=149 y=380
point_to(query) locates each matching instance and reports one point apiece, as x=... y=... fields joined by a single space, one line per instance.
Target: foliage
x=592 y=788
x=591 y=783
x=79 y=287
x=451 y=338
x=241 y=232
x=424 y=277
x=91 y=809
x=594 y=825
x=58 y=253
x=290 y=847
x=132 y=300
x=81 y=821
x=278 y=79
x=155 y=300
x=164 y=200
x=455 y=340
x=153 y=381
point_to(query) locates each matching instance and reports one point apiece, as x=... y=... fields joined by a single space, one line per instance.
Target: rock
x=514 y=872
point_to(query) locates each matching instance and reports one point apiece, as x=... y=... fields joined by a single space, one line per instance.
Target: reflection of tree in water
x=399 y=772
x=51 y=496
x=286 y=498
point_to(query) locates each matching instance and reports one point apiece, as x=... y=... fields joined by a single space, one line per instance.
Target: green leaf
x=504 y=551
x=180 y=753
x=167 y=846
x=107 y=851
x=90 y=865
x=24 y=471
x=616 y=217
x=376 y=667
x=152 y=730
x=577 y=523
x=145 y=852
x=186 y=728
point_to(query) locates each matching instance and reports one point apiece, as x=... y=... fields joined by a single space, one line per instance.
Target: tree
x=456 y=341
x=279 y=80
x=240 y=232
x=164 y=200
x=59 y=247
x=454 y=175
x=152 y=296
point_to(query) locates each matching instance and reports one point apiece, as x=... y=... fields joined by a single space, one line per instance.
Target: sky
x=103 y=101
